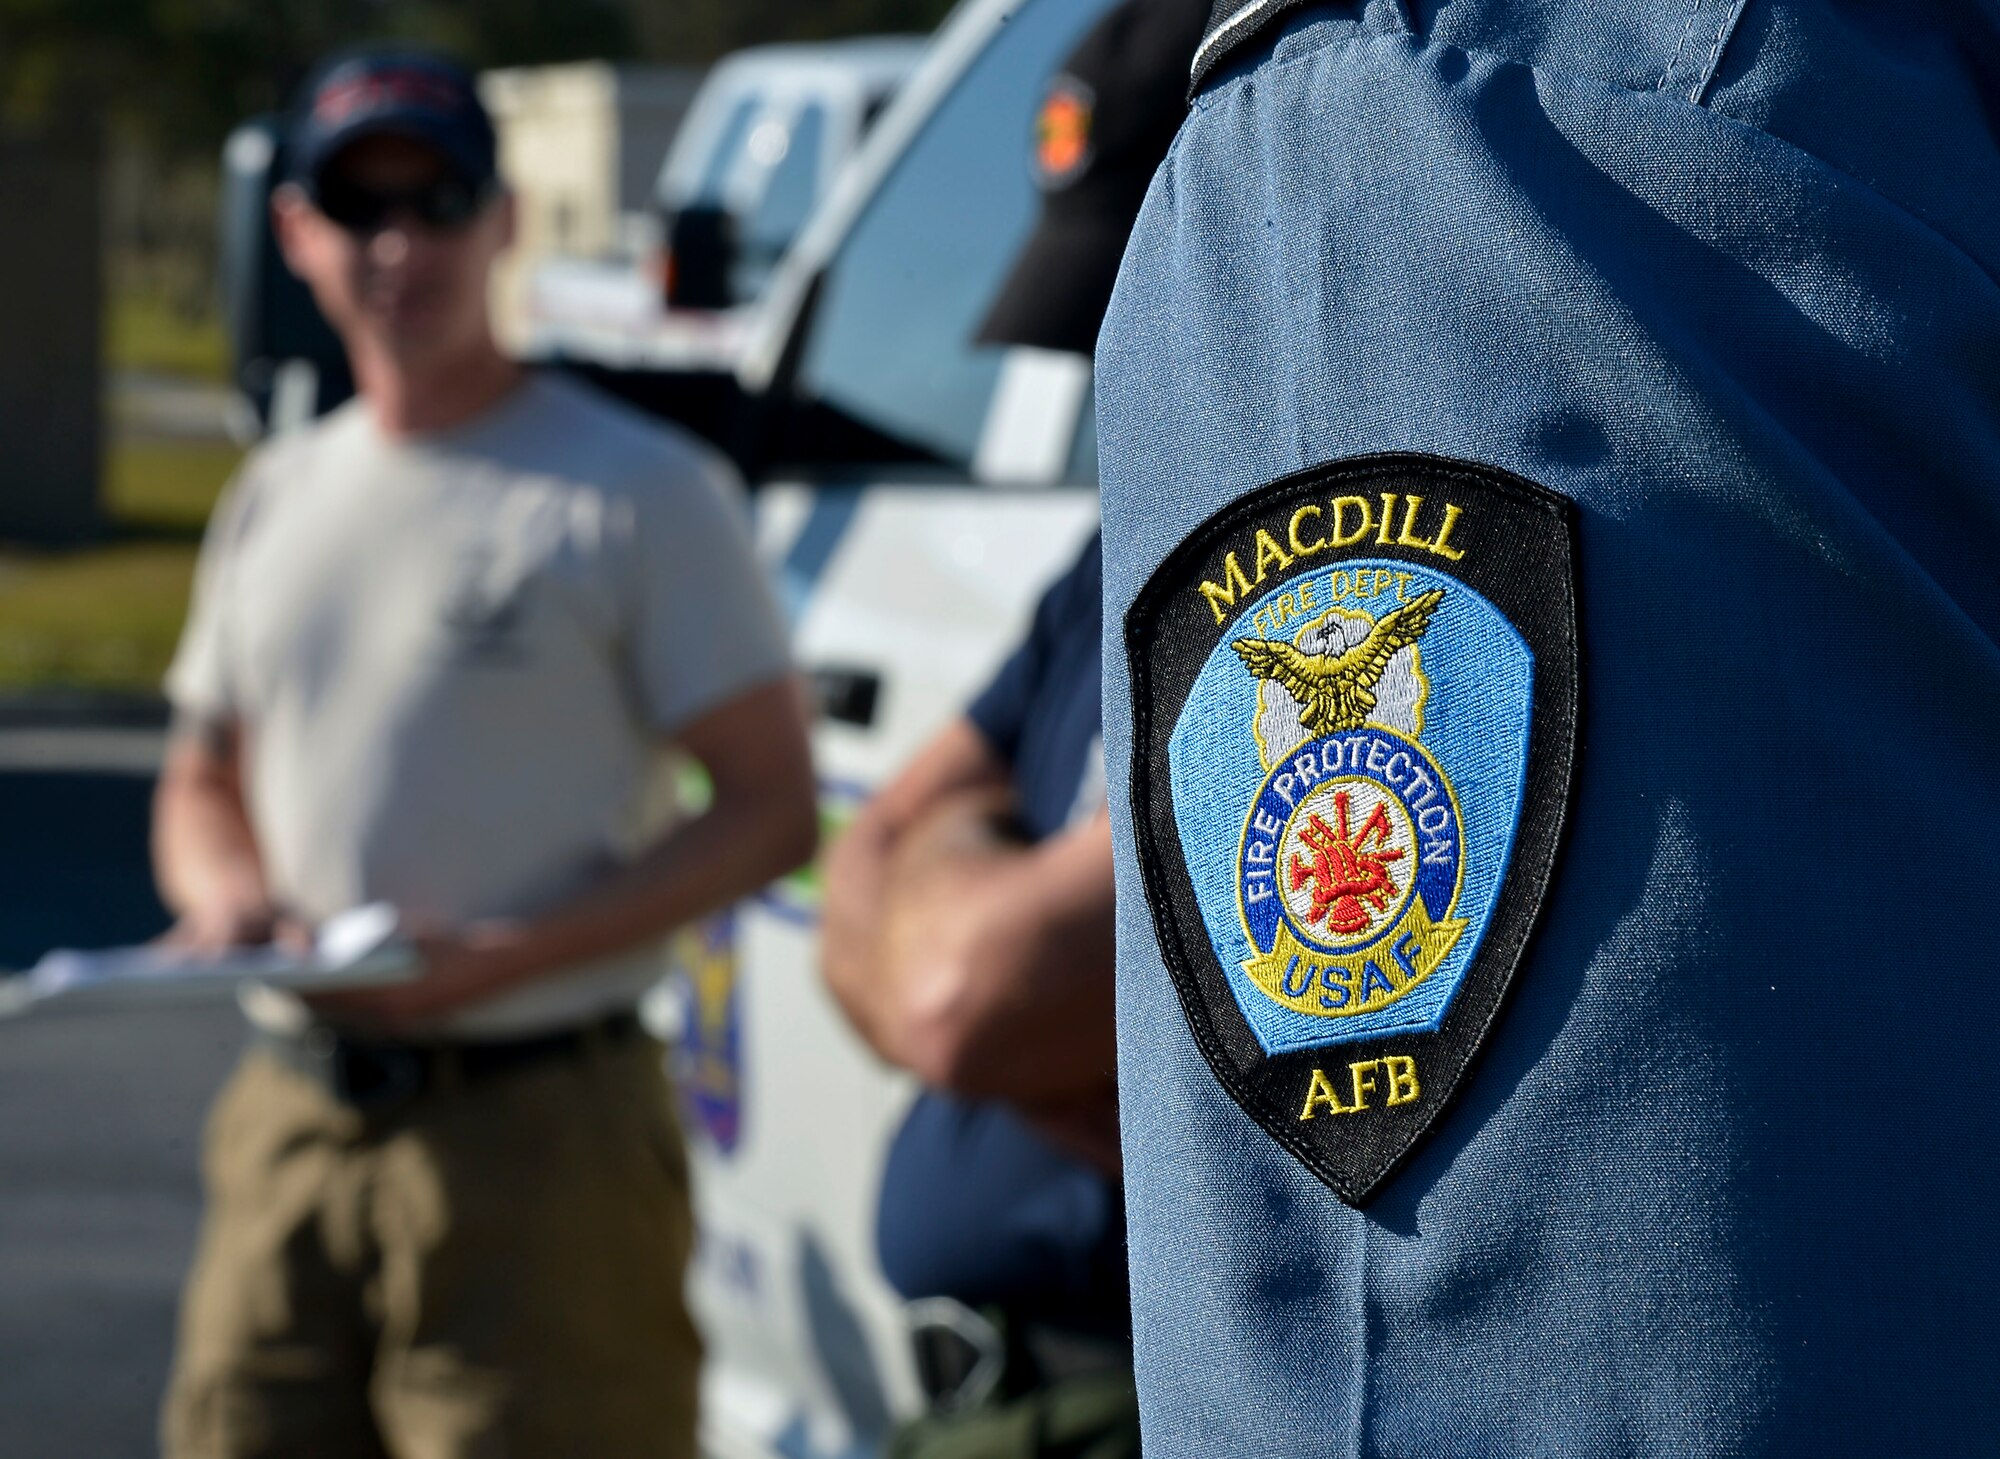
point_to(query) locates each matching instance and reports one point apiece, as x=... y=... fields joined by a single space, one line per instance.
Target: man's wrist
x=511 y=953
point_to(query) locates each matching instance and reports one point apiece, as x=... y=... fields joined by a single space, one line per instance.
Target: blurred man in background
x=969 y=909
x=439 y=642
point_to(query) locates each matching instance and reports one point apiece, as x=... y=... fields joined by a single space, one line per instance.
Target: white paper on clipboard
x=362 y=948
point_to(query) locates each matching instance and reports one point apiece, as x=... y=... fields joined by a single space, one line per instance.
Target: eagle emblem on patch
x=1355 y=697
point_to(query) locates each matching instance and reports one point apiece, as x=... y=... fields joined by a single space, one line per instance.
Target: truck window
x=793 y=154
x=723 y=157
x=890 y=352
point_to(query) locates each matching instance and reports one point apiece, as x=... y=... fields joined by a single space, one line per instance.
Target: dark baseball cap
x=1104 y=126
x=415 y=94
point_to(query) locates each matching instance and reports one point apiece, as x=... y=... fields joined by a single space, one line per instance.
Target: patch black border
x=1530 y=576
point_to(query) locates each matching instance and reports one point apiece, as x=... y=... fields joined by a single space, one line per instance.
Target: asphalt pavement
x=100 y=1110
x=100 y=1113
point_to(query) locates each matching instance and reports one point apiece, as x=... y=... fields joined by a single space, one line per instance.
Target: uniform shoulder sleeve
x=704 y=626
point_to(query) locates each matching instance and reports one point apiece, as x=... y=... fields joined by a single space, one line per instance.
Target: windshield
x=722 y=159
x=889 y=366
x=786 y=187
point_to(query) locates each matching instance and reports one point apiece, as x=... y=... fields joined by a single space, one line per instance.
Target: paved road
x=99 y=1117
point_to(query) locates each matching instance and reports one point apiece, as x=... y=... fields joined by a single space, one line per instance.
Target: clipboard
x=360 y=948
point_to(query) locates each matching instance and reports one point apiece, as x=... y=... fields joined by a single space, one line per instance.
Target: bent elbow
x=779 y=834
x=795 y=841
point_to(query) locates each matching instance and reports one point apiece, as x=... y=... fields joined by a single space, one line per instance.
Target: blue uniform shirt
x=1043 y=712
x=975 y=1204
x=1723 y=1179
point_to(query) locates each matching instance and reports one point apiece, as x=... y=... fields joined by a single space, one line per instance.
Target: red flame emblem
x=1347 y=869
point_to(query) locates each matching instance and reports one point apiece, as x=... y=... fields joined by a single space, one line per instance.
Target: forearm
x=761 y=823
x=716 y=858
x=205 y=853
x=956 y=761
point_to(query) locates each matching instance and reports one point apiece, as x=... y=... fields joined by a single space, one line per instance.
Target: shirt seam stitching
x=1694 y=14
x=1731 y=14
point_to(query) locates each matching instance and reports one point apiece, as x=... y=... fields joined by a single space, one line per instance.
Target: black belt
x=375 y=1075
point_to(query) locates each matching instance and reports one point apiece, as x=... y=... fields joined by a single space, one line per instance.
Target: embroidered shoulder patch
x=1356 y=700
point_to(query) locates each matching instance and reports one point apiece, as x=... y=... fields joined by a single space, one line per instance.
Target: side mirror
x=284 y=356
x=701 y=255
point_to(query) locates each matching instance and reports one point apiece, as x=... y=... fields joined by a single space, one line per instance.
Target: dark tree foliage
x=183 y=71
x=178 y=74
x=701 y=30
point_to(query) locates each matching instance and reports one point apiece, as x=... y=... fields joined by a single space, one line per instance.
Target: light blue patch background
x=1476 y=722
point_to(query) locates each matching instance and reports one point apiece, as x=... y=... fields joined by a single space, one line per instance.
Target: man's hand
x=212 y=929
x=854 y=915
x=981 y=965
x=873 y=918
x=1001 y=957
x=457 y=970
x=217 y=927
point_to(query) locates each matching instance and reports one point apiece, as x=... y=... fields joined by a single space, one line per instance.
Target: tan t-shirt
x=458 y=659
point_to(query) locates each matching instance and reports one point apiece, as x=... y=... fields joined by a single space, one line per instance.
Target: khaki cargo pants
x=494 y=1271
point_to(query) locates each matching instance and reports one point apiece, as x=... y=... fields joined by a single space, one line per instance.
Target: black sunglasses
x=445 y=204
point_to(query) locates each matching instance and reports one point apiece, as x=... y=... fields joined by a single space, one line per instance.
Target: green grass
x=146 y=332
x=108 y=617
x=159 y=485
x=102 y=619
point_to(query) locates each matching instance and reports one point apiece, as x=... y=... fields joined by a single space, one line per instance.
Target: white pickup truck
x=914 y=492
